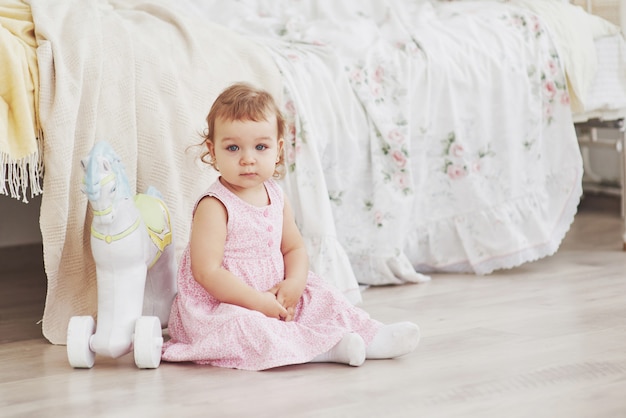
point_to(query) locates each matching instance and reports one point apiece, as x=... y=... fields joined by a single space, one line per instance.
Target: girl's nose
x=247 y=158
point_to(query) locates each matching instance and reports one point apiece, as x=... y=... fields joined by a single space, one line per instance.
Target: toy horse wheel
x=148 y=342
x=79 y=332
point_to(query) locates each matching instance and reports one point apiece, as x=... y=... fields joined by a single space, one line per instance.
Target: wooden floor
x=547 y=339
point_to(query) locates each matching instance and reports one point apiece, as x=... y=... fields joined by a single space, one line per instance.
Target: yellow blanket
x=20 y=165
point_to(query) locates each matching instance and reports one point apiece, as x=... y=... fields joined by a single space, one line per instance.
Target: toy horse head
x=105 y=181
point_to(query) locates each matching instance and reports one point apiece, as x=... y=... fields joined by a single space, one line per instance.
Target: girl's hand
x=288 y=293
x=270 y=307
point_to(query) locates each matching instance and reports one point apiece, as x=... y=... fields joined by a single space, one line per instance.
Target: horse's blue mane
x=92 y=173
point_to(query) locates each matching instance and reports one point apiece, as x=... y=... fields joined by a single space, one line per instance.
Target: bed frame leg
x=622 y=151
x=588 y=137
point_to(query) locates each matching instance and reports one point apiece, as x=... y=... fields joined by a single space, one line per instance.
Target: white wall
x=611 y=10
x=19 y=222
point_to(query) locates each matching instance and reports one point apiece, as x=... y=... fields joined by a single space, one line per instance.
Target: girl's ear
x=211 y=148
x=281 y=143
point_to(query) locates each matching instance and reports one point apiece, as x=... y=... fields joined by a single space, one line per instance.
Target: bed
x=422 y=136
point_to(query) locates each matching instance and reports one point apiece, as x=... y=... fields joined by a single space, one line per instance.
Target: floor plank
x=547 y=339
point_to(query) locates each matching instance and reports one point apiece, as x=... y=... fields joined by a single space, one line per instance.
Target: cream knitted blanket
x=141 y=76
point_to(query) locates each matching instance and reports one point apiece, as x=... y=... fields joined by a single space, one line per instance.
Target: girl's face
x=245 y=151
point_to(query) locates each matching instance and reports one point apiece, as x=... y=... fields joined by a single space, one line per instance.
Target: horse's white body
x=126 y=287
x=136 y=274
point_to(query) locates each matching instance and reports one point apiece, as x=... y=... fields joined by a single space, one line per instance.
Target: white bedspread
x=441 y=133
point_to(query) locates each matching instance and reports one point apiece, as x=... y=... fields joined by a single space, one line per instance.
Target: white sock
x=350 y=350
x=394 y=340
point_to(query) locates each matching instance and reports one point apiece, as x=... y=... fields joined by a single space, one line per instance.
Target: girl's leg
x=394 y=340
x=350 y=350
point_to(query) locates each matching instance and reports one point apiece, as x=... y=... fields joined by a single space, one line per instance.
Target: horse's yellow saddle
x=155 y=217
x=152 y=212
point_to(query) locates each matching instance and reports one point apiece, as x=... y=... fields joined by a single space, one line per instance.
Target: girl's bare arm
x=289 y=291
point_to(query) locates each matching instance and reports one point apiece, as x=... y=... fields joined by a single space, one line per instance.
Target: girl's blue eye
x=260 y=147
x=232 y=148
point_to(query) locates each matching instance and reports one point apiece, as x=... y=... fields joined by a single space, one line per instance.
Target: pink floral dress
x=205 y=331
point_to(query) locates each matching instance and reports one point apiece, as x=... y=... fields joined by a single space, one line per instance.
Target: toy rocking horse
x=135 y=267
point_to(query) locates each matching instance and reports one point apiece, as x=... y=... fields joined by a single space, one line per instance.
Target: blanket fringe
x=17 y=176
